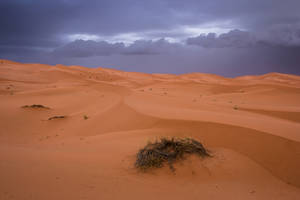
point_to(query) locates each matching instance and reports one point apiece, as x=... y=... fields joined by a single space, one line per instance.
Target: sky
x=224 y=37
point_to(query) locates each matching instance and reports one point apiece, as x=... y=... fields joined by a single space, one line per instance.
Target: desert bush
x=57 y=117
x=35 y=106
x=168 y=150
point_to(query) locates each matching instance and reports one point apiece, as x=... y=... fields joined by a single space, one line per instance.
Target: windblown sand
x=250 y=124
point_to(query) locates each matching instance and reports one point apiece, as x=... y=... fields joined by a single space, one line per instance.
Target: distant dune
x=100 y=118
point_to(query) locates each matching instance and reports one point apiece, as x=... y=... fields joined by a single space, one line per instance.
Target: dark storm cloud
x=287 y=37
x=265 y=33
x=283 y=35
x=234 y=38
x=43 y=22
x=141 y=47
x=82 y=48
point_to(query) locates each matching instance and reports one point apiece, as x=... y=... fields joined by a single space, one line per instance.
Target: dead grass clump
x=169 y=150
x=57 y=117
x=35 y=106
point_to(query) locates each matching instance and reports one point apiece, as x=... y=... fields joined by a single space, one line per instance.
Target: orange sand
x=251 y=125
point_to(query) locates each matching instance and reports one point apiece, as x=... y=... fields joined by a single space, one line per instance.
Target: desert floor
x=250 y=124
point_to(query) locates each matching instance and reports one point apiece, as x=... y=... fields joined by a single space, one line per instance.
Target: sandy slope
x=250 y=124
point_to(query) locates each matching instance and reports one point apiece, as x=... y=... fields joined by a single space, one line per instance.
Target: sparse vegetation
x=35 y=106
x=57 y=117
x=168 y=150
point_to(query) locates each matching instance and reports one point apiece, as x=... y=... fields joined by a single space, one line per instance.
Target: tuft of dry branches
x=57 y=117
x=168 y=150
x=35 y=106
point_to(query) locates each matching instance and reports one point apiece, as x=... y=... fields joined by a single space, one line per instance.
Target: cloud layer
x=234 y=38
x=44 y=23
x=285 y=36
x=87 y=48
x=173 y=36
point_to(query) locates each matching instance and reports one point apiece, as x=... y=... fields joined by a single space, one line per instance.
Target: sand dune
x=250 y=125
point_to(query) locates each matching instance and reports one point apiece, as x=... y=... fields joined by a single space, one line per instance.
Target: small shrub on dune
x=35 y=106
x=57 y=117
x=168 y=150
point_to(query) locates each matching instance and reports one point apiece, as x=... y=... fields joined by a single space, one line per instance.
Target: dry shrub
x=57 y=117
x=35 y=106
x=168 y=150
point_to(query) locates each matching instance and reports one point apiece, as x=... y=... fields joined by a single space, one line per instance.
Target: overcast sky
x=225 y=37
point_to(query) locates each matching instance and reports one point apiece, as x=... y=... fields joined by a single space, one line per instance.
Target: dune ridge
x=250 y=124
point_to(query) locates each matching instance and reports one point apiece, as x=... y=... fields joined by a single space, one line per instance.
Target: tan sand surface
x=250 y=124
